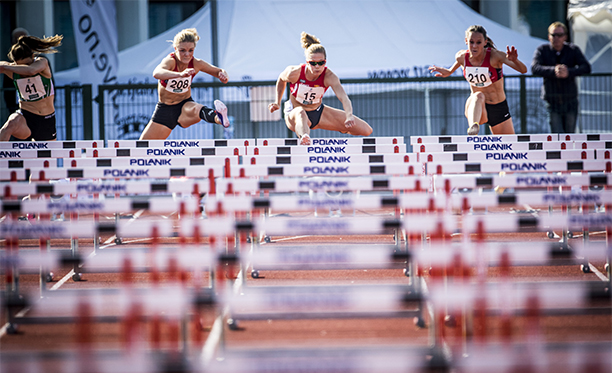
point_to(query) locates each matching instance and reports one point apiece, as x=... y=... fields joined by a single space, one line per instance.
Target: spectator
x=559 y=62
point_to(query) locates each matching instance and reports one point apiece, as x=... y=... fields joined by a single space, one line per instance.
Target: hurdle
x=163 y=152
x=181 y=186
x=500 y=147
x=195 y=143
x=326 y=150
x=415 y=140
x=494 y=166
x=323 y=184
x=39 y=145
x=379 y=140
x=530 y=155
x=46 y=153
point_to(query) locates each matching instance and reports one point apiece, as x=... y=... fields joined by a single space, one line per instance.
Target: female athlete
x=482 y=67
x=308 y=83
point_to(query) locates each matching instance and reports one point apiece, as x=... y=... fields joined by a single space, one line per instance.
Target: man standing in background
x=559 y=62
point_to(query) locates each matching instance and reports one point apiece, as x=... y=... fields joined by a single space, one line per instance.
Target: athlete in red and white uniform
x=308 y=83
x=175 y=106
x=482 y=68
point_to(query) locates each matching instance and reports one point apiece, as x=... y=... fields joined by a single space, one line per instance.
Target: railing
x=406 y=106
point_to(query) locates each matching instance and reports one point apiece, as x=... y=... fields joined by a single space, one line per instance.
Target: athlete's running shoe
x=305 y=139
x=221 y=110
x=474 y=129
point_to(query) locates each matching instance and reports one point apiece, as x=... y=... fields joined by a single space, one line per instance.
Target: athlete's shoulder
x=460 y=56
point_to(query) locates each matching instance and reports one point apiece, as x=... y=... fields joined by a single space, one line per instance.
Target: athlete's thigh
x=17 y=126
x=190 y=114
x=332 y=119
x=504 y=128
x=155 y=131
x=471 y=103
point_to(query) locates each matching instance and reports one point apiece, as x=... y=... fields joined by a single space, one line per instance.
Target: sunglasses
x=315 y=63
x=557 y=35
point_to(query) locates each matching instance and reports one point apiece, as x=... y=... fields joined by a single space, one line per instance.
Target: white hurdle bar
x=542 y=137
x=529 y=155
x=325 y=257
x=514 y=296
x=154 y=172
x=334 y=141
x=40 y=145
x=504 y=147
x=181 y=186
x=163 y=152
x=117 y=162
x=113 y=205
x=521 y=180
x=323 y=184
x=593 y=165
x=516 y=223
x=497 y=254
x=326 y=150
x=455 y=139
x=192 y=143
x=414 y=200
x=45 y=153
x=111 y=260
x=330 y=159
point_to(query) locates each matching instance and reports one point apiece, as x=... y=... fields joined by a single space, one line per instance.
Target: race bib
x=178 y=85
x=478 y=76
x=31 y=88
x=309 y=95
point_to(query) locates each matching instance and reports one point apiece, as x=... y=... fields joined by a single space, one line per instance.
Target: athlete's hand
x=188 y=72
x=223 y=77
x=511 y=53
x=273 y=107
x=439 y=71
x=350 y=121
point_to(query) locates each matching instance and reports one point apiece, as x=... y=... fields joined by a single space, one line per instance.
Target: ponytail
x=311 y=44
x=28 y=45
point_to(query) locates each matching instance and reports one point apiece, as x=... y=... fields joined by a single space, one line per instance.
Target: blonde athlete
x=308 y=83
x=482 y=67
x=33 y=79
x=175 y=106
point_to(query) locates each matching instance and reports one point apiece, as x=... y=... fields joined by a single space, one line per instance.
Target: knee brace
x=208 y=114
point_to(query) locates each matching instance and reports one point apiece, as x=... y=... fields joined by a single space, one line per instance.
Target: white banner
x=95 y=33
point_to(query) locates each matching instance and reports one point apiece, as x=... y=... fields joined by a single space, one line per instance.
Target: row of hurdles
x=422 y=207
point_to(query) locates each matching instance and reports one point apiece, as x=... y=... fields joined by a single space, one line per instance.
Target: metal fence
x=393 y=107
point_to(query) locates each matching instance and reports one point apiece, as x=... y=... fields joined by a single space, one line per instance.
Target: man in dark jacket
x=559 y=62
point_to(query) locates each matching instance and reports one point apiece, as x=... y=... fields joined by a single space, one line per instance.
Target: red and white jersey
x=178 y=85
x=308 y=92
x=484 y=75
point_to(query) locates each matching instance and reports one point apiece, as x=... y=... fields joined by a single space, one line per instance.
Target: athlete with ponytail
x=33 y=79
x=308 y=83
x=482 y=67
x=175 y=106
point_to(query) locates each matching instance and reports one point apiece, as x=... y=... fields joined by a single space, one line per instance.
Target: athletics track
x=340 y=301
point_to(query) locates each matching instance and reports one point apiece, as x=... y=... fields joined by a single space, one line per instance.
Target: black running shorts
x=41 y=126
x=168 y=115
x=498 y=113
x=315 y=116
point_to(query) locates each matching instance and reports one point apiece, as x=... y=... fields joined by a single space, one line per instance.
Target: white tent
x=258 y=38
x=591 y=24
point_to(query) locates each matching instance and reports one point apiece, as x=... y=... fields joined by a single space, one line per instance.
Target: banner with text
x=95 y=33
